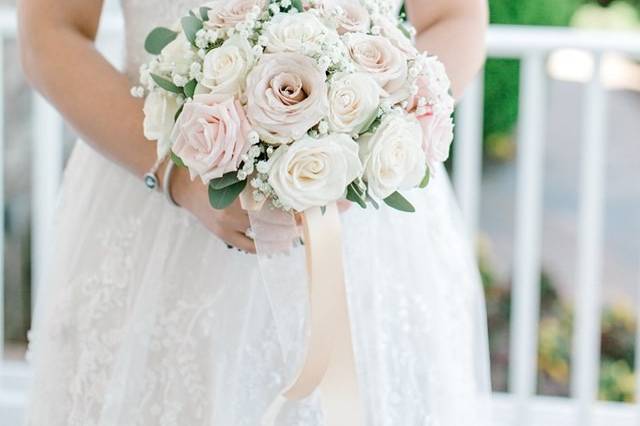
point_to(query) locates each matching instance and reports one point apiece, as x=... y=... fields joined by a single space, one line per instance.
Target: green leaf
x=158 y=39
x=226 y=180
x=191 y=25
x=176 y=160
x=178 y=112
x=166 y=84
x=204 y=13
x=354 y=195
x=298 y=5
x=323 y=210
x=190 y=88
x=223 y=198
x=398 y=202
x=373 y=202
x=426 y=179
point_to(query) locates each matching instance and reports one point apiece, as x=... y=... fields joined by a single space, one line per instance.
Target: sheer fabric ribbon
x=306 y=289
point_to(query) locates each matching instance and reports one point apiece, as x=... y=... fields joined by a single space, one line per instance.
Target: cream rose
x=160 y=109
x=348 y=15
x=177 y=56
x=353 y=102
x=286 y=96
x=376 y=56
x=393 y=157
x=211 y=136
x=389 y=29
x=288 y=32
x=314 y=172
x=225 y=14
x=225 y=69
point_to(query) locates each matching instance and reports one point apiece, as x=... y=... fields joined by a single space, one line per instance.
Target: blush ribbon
x=328 y=361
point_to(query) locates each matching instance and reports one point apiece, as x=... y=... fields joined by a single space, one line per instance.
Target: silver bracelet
x=151 y=177
x=166 y=183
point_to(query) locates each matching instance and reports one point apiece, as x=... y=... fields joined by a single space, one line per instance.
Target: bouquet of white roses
x=298 y=102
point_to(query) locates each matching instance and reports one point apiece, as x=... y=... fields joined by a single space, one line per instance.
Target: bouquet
x=300 y=103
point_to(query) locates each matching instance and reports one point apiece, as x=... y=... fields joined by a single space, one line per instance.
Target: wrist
x=180 y=186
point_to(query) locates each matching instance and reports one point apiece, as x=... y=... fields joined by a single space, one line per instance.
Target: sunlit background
x=547 y=168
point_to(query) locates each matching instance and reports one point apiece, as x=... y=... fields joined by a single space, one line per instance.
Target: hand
x=229 y=224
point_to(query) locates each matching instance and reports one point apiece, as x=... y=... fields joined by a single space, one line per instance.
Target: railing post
x=2 y=199
x=586 y=341
x=46 y=172
x=526 y=275
x=467 y=165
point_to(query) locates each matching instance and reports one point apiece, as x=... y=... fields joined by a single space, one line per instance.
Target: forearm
x=457 y=37
x=91 y=95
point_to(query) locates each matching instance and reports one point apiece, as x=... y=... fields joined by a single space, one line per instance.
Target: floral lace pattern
x=149 y=320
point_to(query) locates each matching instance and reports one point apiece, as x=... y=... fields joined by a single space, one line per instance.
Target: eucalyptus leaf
x=298 y=5
x=176 y=160
x=223 y=198
x=373 y=202
x=190 y=88
x=226 y=180
x=166 y=84
x=398 y=202
x=158 y=39
x=354 y=195
x=204 y=13
x=426 y=179
x=191 y=25
x=323 y=210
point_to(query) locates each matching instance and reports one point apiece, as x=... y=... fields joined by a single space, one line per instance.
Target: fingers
x=240 y=241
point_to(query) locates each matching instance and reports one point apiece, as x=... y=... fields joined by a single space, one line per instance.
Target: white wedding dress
x=147 y=319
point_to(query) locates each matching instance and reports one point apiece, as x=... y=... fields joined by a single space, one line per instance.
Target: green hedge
x=502 y=76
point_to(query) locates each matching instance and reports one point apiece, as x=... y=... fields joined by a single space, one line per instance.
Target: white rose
x=160 y=109
x=225 y=69
x=353 y=102
x=348 y=15
x=393 y=157
x=314 y=172
x=177 y=56
x=376 y=56
x=293 y=32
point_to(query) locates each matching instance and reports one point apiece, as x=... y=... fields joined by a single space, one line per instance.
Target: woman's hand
x=229 y=224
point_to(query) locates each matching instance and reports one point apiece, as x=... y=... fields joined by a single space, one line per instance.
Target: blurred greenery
x=502 y=76
x=617 y=382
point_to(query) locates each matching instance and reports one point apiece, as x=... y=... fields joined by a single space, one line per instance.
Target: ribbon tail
x=329 y=359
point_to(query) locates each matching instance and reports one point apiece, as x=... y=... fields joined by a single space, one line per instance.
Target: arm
x=454 y=30
x=61 y=61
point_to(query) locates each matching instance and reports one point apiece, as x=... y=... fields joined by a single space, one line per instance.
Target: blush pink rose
x=437 y=126
x=437 y=136
x=211 y=136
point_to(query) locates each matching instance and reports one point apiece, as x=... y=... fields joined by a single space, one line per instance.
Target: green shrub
x=502 y=76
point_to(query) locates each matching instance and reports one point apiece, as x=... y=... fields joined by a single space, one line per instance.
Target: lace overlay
x=149 y=320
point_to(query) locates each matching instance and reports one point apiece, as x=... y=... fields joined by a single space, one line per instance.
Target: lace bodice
x=141 y=16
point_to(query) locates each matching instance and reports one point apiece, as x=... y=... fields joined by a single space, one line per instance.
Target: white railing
x=521 y=407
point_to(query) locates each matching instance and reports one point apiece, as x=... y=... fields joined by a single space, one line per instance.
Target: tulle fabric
x=148 y=319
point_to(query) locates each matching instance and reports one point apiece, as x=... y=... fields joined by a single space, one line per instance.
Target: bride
x=149 y=318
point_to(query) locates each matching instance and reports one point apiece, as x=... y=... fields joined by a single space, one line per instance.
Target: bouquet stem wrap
x=316 y=294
